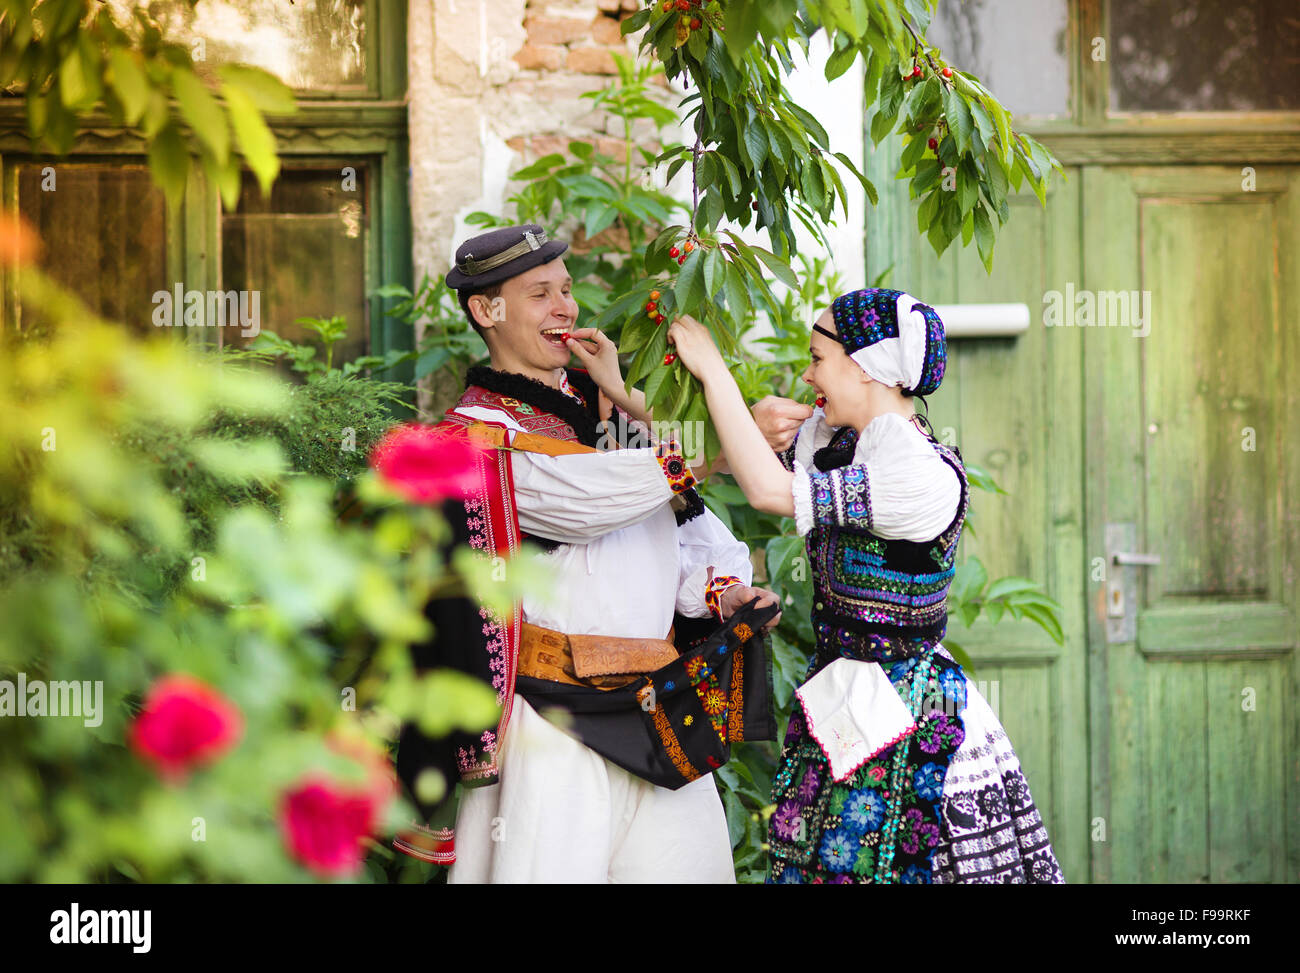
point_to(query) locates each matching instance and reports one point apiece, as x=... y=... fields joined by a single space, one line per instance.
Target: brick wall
x=495 y=84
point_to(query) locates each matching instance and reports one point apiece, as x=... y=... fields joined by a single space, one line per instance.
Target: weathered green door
x=1192 y=424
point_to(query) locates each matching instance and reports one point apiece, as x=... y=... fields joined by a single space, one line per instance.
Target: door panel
x=1013 y=406
x=1192 y=441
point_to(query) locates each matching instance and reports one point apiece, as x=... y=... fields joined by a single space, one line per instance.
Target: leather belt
x=597 y=661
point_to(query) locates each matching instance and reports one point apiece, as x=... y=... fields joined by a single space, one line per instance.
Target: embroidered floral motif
x=883 y=824
x=711 y=695
x=673 y=463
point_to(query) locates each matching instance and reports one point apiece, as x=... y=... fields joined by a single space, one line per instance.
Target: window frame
x=331 y=126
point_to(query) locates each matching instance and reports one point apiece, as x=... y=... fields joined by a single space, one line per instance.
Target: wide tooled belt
x=599 y=661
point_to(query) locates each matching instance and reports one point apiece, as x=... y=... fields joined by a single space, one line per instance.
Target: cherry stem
x=933 y=67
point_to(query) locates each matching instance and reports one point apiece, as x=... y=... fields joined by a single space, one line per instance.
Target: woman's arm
x=767 y=484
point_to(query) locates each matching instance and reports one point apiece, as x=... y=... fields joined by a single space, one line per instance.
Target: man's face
x=527 y=319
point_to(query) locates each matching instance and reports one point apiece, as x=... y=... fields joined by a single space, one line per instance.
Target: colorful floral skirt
x=947 y=804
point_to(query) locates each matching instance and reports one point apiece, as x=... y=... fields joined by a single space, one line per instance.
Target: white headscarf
x=898 y=361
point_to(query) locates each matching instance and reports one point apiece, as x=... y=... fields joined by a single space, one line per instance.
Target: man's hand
x=738 y=594
x=599 y=356
x=778 y=419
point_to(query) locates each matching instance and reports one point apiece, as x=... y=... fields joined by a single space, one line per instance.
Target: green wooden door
x=1191 y=433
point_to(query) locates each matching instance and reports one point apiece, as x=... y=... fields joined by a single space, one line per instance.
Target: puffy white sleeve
x=903 y=490
x=578 y=497
x=704 y=542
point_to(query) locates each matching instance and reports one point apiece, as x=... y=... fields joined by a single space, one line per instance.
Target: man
x=623 y=790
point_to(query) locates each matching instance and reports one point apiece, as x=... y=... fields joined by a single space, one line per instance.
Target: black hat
x=498 y=255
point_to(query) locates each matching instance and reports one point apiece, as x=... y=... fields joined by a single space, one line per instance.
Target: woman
x=894 y=768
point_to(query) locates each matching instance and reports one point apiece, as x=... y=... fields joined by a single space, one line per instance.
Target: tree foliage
x=761 y=160
x=70 y=59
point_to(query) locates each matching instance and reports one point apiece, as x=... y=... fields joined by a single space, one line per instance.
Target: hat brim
x=534 y=258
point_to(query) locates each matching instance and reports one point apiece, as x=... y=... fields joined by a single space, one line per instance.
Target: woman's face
x=835 y=375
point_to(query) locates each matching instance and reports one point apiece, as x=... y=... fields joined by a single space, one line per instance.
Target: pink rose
x=184 y=723
x=324 y=825
x=425 y=464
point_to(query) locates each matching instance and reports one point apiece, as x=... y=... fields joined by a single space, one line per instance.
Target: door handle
x=1122 y=603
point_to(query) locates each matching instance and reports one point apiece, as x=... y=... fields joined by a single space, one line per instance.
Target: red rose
x=184 y=723
x=426 y=465
x=324 y=825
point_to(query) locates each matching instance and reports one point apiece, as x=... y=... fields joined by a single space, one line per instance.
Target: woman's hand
x=695 y=348
x=599 y=356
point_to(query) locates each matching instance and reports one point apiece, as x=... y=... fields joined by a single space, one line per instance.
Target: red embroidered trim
x=444 y=853
x=713 y=592
x=674 y=466
x=812 y=730
x=493 y=530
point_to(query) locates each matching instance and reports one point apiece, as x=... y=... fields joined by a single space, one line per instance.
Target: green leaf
x=654 y=382
x=262 y=88
x=202 y=113
x=1002 y=122
x=968 y=187
x=256 y=143
x=779 y=268
x=756 y=144
x=169 y=161
x=1010 y=585
x=811 y=125
x=969 y=580
x=714 y=272
x=240 y=461
x=1047 y=620
x=840 y=61
x=78 y=84
x=983 y=124
x=912 y=153
x=737 y=295
x=984 y=236
x=129 y=82
x=689 y=289
x=960 y=122
x=634 y=23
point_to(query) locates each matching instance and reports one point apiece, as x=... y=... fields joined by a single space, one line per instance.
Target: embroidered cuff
x=803 y=512
x=713 y=592
x=435 y=845
x=680 y=478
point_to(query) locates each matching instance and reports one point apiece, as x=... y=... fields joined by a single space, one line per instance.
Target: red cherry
x=695 y=23
x=916 y=71
x=947 y=72
x=681 y=260
x=669 y=358
x=651 y=307
x=821 y=401
x=659 y=319
x=933 y=143
x=754 y=205
x=673 y=252
x=668 y=5
x=683 y=4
